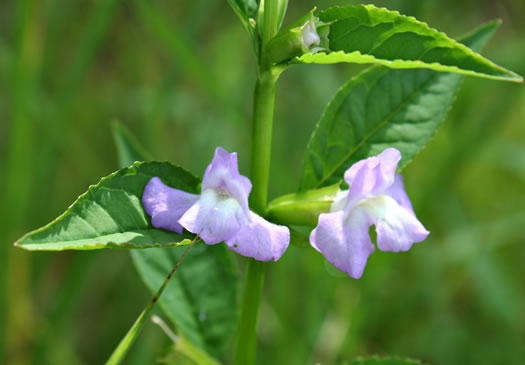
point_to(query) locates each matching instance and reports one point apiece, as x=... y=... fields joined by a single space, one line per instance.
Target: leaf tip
x=19 y=244
x=116 y=125
x=514 y=77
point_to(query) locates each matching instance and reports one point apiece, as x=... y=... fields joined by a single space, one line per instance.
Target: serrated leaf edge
x=399 y=64
x=513 y=77
x=82 y=197
x=354 y=79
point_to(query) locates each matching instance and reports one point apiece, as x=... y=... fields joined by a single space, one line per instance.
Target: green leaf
x=380 y=108
x=270 y=18
x=110 y=214
x=246 y=10
x=385 y=361
x=202 y=298
x=366 y=34
x=128 y=148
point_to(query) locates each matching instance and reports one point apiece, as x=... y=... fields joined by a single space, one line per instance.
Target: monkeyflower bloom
x=376 y=197
x=220 y=213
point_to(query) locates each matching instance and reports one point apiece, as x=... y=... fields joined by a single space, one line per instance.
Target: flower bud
x=310 y=36
x=302 y=209
x=300 y=38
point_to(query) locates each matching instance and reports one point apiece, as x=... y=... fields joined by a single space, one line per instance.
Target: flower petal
x=222 y=174
x=397 y=191
x=166 y=205
x=262 y=240
x=372 y=176
x=397 y=228
x=339 y=202
x=346 y=246
x=309 y=34
x=217 y=218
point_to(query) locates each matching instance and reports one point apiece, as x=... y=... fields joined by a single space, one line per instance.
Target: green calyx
x=307 y=35
x=303 y=208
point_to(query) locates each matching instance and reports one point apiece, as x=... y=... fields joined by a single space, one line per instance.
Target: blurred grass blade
x=57 y=115
x=181 y=50
x=110 y=214
x=366 y=116
x=94 y=32
x=17 y=179
x=385 y=361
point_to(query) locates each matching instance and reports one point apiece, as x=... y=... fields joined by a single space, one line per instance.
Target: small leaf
x=385 y=361
x=282 y=7
x=128 y=148
x=110 y=214
x=202 y=298
x=380 y=108
x=246 y=10
x=366 y=34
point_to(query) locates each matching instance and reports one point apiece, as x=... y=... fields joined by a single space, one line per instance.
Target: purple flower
x=220 y=213
x=376 y=197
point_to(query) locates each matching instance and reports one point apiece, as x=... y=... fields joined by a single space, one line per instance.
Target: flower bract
x=220 y=213
x=376 y=196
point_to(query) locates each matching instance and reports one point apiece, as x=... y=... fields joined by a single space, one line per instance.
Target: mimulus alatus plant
x=375 y=125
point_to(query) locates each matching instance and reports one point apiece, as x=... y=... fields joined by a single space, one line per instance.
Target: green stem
x=125 y=344
x=264 y=99
x=247 y=334
x=269 y=27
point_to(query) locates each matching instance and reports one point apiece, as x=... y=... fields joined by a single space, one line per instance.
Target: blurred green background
x=180 y=75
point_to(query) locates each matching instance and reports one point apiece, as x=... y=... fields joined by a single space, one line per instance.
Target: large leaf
x=385 y=361
x=110 y=214
x=201 y=300
x=366 y=34
x=381 y=108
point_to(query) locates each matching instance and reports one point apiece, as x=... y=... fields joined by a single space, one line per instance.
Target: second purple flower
x=376 y=197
